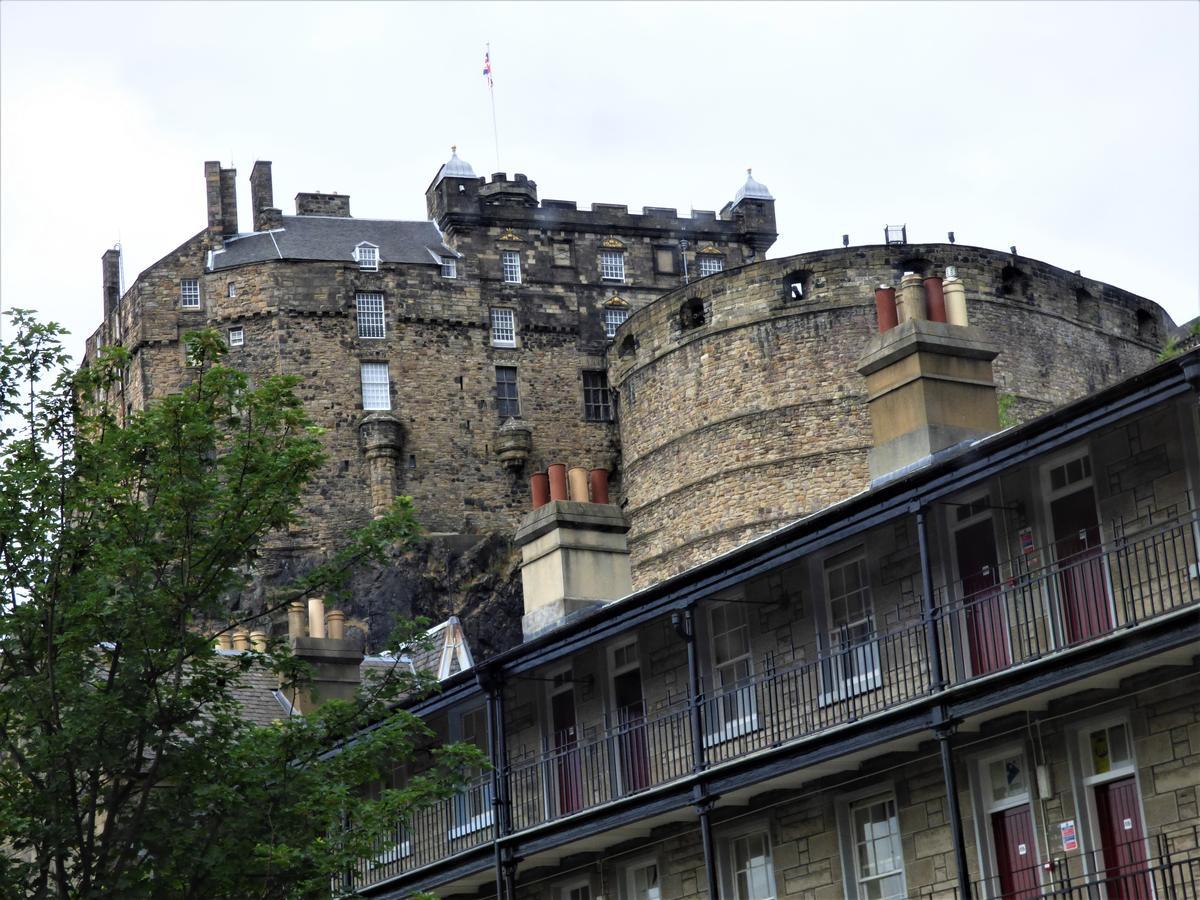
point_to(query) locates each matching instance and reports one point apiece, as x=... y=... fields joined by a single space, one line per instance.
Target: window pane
x=189 y=292
x=613 y=317
x=711 y=265
x=375 y=386
x=504 y=327
x=878 y=857
x=507 y=403
x=597 y=401
x=370 y=315
x=510 y=263
x=612 y=265
x=449 y=267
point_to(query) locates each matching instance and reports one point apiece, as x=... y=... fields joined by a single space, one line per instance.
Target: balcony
x=989 y=626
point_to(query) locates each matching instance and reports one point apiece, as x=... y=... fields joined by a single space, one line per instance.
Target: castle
x=451 y=358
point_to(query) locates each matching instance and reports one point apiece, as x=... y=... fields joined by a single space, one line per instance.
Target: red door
x=1081 y=572
x=987 y=631
x=632 y=757
x=1122 y=840
x=566 y=752
x=1016 y=856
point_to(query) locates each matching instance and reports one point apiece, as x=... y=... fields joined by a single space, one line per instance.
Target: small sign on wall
x=1066 y=831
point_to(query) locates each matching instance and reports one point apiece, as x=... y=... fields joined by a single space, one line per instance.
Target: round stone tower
x=741 y=408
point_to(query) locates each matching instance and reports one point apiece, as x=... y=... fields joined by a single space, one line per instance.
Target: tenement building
x=451 y=358
x=978 y=678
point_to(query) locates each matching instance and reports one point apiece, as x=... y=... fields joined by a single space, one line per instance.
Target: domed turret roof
x=455 y=168
x=753 y=190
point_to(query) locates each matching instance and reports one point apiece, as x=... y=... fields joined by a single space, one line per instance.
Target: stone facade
x=767 y=417
x=726 y=429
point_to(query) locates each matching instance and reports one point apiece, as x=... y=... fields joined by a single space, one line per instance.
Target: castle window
x=628 y=347
x=562 y=253
x=614 y=316
x=189 y=293
x=370 y=315
x=691 y=314
x=597 y=399
x=449 y=267
x=231 y=289
x=664 y=260
x=710 y=264
x=510 y=265
x=504 y=327
x=508 y=405
x=1013 y=281
x=237 y=336
x=612 y=265
x=376 y=387
x=367 y=257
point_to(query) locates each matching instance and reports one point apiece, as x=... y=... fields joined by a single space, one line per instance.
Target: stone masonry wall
x=756 y=416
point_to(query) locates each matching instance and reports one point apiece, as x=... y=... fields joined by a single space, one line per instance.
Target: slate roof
x=258 y=694
x=334 y=238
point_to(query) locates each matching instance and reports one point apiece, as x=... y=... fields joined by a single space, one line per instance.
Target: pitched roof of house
x=258 y=693
x=333 y=238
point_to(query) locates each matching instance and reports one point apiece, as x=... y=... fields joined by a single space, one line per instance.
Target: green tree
x=126 y=769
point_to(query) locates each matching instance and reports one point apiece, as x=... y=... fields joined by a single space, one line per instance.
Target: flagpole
x=492 y=93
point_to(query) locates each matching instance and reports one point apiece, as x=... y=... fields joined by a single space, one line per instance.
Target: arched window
x=691 y=314
x=628 y=347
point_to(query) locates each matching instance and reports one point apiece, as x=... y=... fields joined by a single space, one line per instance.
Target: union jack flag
x=487 y=66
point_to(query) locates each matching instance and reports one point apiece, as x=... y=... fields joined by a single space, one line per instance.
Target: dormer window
x=449 y=267
x=367 y=257
x=612 y=265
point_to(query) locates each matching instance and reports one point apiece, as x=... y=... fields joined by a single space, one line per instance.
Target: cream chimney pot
x=316 y=617
x=295 y=617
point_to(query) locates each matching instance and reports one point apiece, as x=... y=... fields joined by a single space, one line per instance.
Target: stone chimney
x=574 y=553
x=335 y=660
x=110 y=264
x=323 y=205
x=221 y=191
x=262 y=200
x=930 y=384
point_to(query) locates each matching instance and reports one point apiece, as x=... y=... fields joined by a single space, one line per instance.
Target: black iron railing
x=1027 y=612
x=1164 y=866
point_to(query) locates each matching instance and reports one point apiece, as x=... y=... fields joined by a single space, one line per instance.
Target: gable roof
x=333 y=238
x=257 y=692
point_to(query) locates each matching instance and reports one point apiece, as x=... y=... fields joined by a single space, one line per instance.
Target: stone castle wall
x=732 y=426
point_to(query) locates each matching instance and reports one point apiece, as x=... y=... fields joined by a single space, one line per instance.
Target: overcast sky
x=1069 y=130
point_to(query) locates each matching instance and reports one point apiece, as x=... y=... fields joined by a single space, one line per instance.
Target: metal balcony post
x=685 y=627
x=498 y=756
x=932 y=642
x=943 y=732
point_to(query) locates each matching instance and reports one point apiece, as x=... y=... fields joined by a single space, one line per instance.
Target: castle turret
x=753 y=209
x=455 y=188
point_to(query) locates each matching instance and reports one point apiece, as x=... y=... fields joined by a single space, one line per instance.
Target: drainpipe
x=943 y=729
x=685 y=626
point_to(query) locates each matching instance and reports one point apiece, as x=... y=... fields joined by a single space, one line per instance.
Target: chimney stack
x=930 y=384
x=110 y=264
x=574 y=553
x=262 y=198
x=335 y=660
x=221 y=191
x=311 y=204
